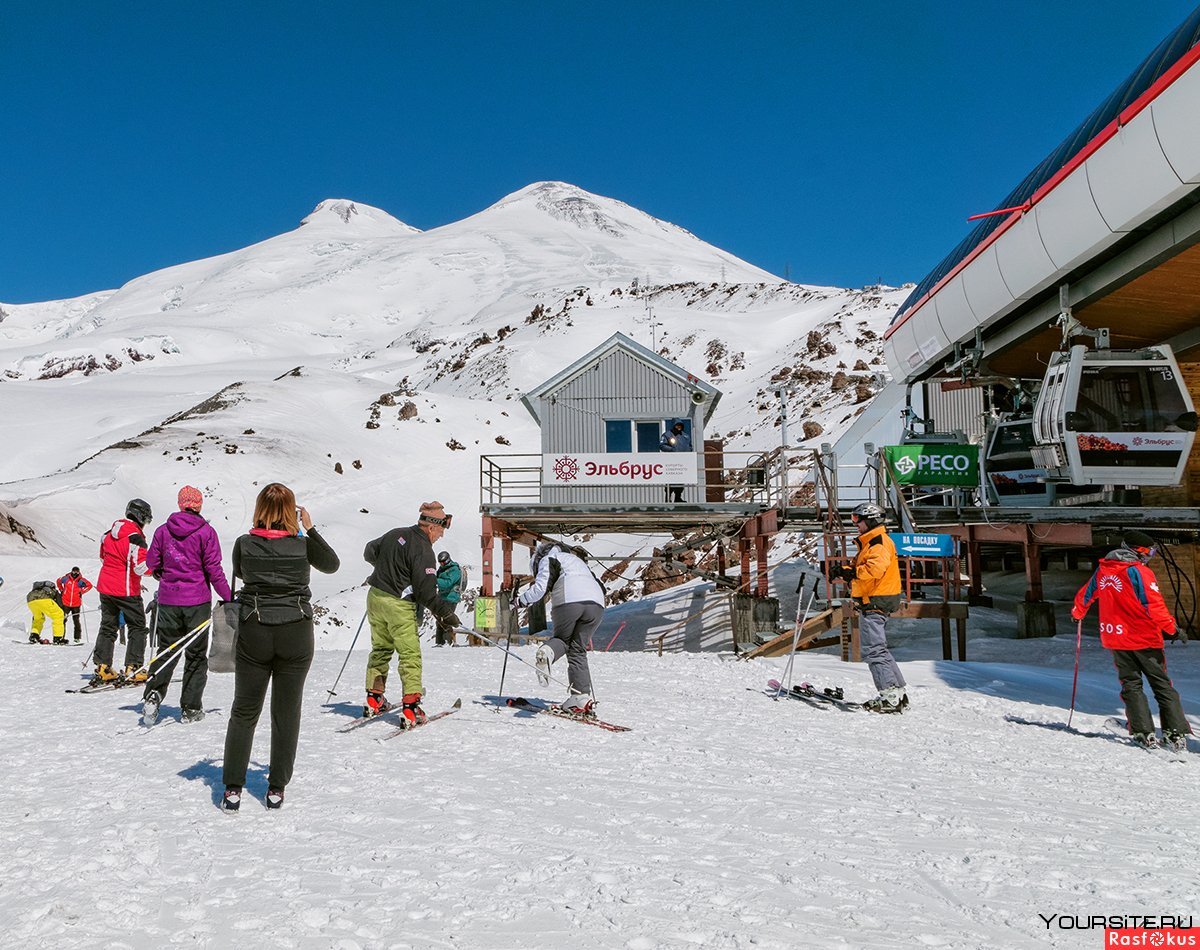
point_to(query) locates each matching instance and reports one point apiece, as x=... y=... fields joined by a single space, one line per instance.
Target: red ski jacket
x=1133 y=614
x=123 y=553
x=73 y=589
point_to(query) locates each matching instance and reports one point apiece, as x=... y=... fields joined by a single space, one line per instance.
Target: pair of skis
x=535 y=706
x=832 y=696
x=409 y=727
x=49 y=643
x=119 y=683
x=1114 y=729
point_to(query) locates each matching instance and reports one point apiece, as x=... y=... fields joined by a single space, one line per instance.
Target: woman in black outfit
x=275 y=638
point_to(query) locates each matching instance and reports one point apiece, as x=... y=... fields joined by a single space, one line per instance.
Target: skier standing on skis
x=123 y=565
x=1133 y=617
x=42 y=601
x=449 y=580
x=577 y=607
x=874 y=579
x=275 y=636
x=404 y=578
x=185 y=558
x=73 y=586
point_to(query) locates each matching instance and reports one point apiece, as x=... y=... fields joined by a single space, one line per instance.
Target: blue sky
x=840 y=143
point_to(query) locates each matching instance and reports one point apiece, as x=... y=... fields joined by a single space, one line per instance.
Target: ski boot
x=34 y=638
x=413 y=714
x=579 y=705
x=274 y=798
x=542 y=661
x=192 y=715
x=59 y=641
x=1175 y=741
x=377 y=704
x=1147 y=740
x=893 y=699
x=134 y=675
x=150 y=703
x=105 y=674
x=232 y=799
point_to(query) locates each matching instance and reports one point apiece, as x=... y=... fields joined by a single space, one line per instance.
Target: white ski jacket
x=565 y=576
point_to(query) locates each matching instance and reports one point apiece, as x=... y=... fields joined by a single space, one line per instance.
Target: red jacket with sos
x=1133 y=614
x=123 y=557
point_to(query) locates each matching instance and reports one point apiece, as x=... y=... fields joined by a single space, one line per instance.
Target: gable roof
x=619 y=341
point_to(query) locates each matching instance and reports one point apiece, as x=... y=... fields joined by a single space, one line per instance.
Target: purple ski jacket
x=185 y=556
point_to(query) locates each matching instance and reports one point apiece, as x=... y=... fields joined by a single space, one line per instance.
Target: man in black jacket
x=404 y=576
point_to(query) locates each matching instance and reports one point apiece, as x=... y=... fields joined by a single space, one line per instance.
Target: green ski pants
x=393 y=630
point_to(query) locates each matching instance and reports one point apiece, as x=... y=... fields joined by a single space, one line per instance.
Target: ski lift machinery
x=1112 y=417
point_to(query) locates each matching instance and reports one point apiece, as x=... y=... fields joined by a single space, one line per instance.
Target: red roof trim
x=1181 y=66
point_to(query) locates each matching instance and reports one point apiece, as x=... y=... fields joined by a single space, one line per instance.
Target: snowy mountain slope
x=446 y=328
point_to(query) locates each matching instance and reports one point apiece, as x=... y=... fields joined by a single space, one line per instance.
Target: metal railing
x=767 y=479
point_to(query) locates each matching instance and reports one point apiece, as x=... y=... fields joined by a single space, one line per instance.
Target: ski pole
x=500 y=646
x=512 y=623
x=182 y=643
x=614 y=637
x=333 y=689
x=801 y=620
x=1075 y=682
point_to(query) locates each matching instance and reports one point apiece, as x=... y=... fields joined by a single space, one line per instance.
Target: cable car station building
x=1062 y=337
x=623 y=450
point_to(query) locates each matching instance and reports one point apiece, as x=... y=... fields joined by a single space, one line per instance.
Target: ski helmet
x=871 y=513
x=139 y=511
x=444 y=557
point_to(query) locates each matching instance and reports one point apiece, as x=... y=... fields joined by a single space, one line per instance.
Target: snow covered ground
x=724 y=819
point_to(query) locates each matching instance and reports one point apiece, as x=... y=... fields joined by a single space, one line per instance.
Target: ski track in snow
x=724 y=820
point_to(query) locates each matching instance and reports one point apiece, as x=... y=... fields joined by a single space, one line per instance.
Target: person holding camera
x=404 y=577
x=874 y=579
x=275 y=635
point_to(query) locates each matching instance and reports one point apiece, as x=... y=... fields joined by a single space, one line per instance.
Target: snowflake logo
x=905 y=465
x=566 y=469
x=1137 y=440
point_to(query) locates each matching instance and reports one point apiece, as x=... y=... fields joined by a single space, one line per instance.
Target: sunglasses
x=440 y=522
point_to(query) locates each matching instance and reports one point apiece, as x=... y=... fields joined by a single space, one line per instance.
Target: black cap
x=1136 y=539
x=74 y=570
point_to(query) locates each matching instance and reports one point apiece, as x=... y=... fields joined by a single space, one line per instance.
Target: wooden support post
x=946 y=651
x=744 y=556
x=1033 y=571
x=485 y=544
x=760 y=547
x=506 y=546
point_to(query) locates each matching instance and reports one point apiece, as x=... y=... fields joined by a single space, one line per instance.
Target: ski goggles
x=440 y=522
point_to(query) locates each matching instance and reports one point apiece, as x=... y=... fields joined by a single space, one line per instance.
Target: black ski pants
x=135 y=622
x=1132 y=665
x=279 y=655
x=172 y=625
x=72 y=612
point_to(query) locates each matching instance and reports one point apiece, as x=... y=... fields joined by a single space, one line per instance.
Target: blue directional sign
x=924 y=545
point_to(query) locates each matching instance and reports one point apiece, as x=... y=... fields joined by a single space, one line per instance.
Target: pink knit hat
x=190 y=498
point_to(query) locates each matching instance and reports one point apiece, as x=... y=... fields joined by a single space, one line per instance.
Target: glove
x=1173 y=637
x=844 y=572
x=450 y=623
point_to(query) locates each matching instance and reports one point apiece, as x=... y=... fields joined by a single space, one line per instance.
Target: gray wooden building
x=602 y=420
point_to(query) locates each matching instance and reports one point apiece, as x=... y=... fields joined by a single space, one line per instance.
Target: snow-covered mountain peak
x=344 y=214
x=582 y=209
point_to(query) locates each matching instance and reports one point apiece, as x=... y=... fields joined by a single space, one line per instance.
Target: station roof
x=1142 y=80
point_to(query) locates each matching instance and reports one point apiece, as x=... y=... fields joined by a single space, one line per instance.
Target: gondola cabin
x=1113 y=417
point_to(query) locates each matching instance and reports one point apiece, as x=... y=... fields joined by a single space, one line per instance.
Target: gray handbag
x=222 y=652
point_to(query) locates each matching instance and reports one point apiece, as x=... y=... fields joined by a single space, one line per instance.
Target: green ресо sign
x=934 y=464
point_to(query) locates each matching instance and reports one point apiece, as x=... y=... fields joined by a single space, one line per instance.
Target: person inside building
x=449 y=585
x=123 y=565
x=675 y=439
x=577 y=607
x=42 y=601
x=72 y=587
x=404 y=576
x=1133 y=619
x=874 y=579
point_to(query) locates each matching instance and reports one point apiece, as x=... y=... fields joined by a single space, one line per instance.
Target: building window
x=620 y=435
